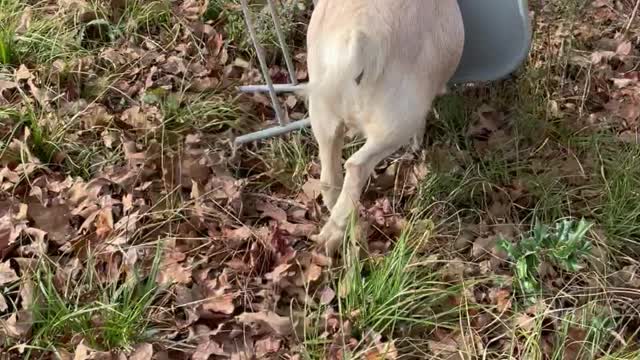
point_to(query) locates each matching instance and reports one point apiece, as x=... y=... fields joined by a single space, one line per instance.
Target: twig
x=633 y=17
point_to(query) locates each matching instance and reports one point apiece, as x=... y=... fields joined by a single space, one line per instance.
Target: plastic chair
x=497 y=39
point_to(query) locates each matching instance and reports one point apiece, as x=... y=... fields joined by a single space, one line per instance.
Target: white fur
x=403 y=52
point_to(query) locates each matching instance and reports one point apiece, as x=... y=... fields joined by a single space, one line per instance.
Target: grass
x=229 y=14
x=287 y=161
x=385 y=294
x=207 y=112
x=620 y=209
x=111 y=316
x=134 y=20
x=48 y=37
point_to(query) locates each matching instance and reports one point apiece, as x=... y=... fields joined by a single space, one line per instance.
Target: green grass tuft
x=384 y=293
x=114 y=316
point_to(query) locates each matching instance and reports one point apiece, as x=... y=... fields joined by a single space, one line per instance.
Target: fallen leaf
x=312 y=188
x=502 y=300
x=54 y=220
x=172 y=271
x=312 y=273
x=575 y=343
x=484 y=246
x=104 y=223
x=3 y=304
x=205 y=349
x=622 y=83
x=27 y=294
x=23 y=73
x=267 y=345
x=193 y=9
x=220 y=303
x=624 y=48
x=327 y=295
x=382 y=351
x=204 y=84
x=280 y=324
x=278 y=273
x=269 y=210
x=25 y=21
x=7 y=275
x=525 y=322
x=82 y=352
x=142 y=352
x=18 y=324
x=302 y=230
x=7 y=85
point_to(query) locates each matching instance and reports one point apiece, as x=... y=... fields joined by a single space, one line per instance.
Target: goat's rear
x=375 y=67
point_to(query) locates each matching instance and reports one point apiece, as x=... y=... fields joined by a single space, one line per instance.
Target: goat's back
x=362 y=52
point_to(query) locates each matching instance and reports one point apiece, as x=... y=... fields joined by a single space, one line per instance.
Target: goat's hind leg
x=358 y=169
x=328 y=130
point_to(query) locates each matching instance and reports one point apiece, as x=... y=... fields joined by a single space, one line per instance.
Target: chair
x=497 y=39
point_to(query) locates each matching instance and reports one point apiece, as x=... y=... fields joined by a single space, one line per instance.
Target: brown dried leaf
x=575 y=343
x=25 y=21
x=484 y=246
x=624 y=48
x=302 y=230
x=23 y=73
x=382 y=351
x=327 y=295
x=171 y=271
x=7 y=85
x=279 y=324
x=206 y=349
x=239 y=235
x=193 y=9
x=502 y=299
x=267 y=345
x=104 y=223
x=278 y=273
x=204 y=84
x=220 y=303
x=271 y=211
x=312 y=188
x=7 y=275
x=83 y=352
x=18 y=324
x=312 y=273
x=142 y=352
x=54 y=220
x=525 y=322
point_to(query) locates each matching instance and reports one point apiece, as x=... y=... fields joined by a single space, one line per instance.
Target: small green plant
x=563 y=246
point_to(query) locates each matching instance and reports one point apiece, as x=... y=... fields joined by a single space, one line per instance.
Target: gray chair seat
x=497 y=39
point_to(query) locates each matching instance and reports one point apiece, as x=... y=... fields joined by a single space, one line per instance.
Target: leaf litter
x=236 y=268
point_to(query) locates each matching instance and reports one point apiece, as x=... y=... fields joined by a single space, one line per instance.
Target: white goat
x=375 y=67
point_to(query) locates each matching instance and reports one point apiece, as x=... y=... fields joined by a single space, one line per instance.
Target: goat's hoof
x=330 y=237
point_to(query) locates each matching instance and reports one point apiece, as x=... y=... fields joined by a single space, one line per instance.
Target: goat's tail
x=350 y=61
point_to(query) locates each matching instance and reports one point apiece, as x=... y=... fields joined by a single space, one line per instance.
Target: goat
x=375 y=67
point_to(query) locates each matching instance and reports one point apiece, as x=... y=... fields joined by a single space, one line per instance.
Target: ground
x=131 y=229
